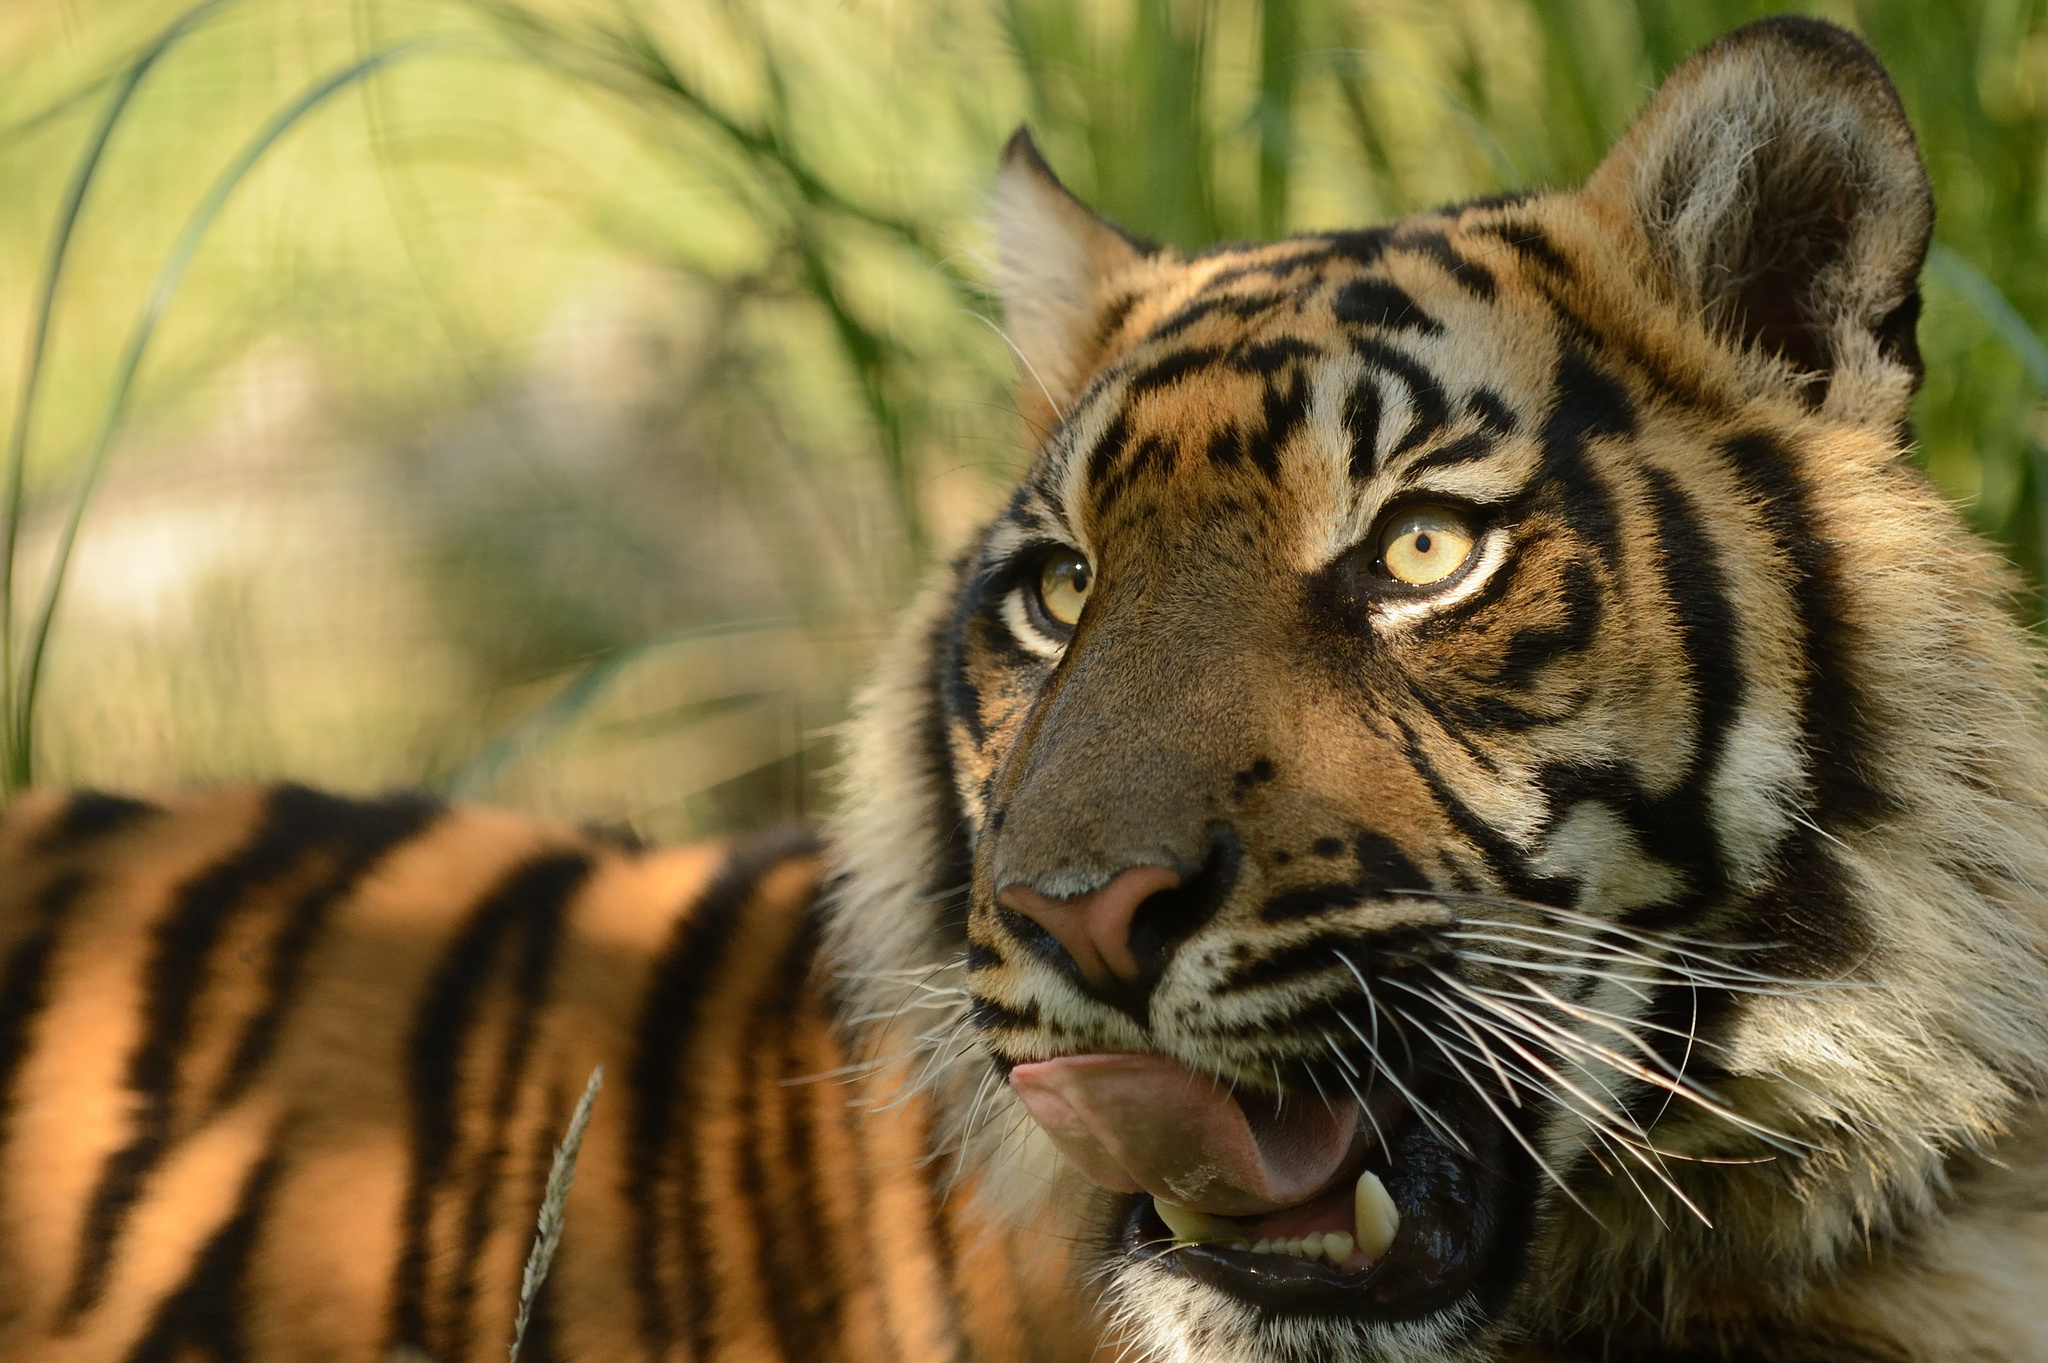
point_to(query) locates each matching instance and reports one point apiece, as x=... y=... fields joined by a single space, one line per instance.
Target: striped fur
x=283 y=1073
x=1666 y=882
x=1675 y=869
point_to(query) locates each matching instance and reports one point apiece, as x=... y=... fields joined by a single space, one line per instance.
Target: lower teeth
x=1375 y=1220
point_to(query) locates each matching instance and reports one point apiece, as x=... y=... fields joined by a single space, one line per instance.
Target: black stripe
x=25 y=985
x=524 y=912
x=295 y=829
x=797 y=1270
x=1707 y=629
x=989 y=1016
x=1502 y=857
x=1432 y=409
x=961 y=702
x=1364 y=246
x=1244 y=307
x=1107 y=450
x=362 y=834
x=1530 y=243
x=543 y=902
x=1532 y=648
x=1284 y=408
x=1835 y=732
x=88 y=815
x=952 y=867
x=1362 y=423
x=1166 y=372
x=1491 y=410
x=205 y=1315
x=1589 y=404
x=1267 y=358
x=659 y=1172
x=1475 y=277
x=1464 y=450
x=1381 y=303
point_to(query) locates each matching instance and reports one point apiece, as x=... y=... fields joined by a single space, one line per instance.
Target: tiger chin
x=1473 y=804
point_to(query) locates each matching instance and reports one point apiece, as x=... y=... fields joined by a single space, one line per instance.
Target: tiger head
x=1472 y=797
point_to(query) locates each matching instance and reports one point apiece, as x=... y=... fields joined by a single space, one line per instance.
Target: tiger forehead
x=1310 y=365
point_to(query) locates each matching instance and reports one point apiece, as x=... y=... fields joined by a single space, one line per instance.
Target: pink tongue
x=1134 y=1122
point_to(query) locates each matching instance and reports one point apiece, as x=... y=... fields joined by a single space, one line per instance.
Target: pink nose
x=1095 y=928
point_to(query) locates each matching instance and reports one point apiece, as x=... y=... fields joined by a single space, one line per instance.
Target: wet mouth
x=1305 y=1207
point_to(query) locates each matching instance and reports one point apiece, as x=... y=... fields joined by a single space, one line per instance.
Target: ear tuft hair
x=1777 y=185
x=1057 y=265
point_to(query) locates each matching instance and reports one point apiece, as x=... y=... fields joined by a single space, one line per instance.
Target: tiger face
x=1446 y=811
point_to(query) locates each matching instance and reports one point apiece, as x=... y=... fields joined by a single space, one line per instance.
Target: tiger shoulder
x=1472 y=807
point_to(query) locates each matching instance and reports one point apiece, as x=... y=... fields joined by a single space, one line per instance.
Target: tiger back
x=284 y=1073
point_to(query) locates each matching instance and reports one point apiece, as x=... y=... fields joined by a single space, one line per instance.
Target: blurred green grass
x=557 y=414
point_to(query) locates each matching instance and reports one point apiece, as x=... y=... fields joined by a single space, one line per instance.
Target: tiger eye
x=1063 y=585
x=1425 y=545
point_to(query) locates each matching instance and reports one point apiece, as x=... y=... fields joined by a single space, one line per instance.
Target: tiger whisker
x=1508 y=1039
x=1669 y=977
x=1512 y=1130
x=1363 y=1106
x=1544 y=1031
x=1686 y=962
x=1592 y=1012
x=1700 y=955
x=1422 y=1109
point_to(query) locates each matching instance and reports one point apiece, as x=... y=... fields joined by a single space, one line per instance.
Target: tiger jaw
x=1361 y=1211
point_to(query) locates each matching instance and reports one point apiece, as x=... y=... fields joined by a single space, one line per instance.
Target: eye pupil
x=1422 y=543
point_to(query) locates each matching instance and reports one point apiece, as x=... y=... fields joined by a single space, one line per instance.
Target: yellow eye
x=1063 y=585
x=1426 y=544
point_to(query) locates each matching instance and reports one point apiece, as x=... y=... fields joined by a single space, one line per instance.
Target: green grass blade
x=15 y=773
x=20 y=755
x=565 y=707
x=1991 y=305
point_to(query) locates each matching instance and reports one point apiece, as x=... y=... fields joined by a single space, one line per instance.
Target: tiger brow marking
x=524 y=913
x=1425 y=395
x=297 y=829
x=661 y=1091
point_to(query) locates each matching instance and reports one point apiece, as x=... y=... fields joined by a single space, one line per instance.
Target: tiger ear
x=1776 y=182
x=1057 y=262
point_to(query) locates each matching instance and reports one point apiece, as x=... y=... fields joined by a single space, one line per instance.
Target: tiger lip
x=1279 y=1188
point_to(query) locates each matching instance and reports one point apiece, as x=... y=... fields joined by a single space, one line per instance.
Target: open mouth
x=1291 y=1205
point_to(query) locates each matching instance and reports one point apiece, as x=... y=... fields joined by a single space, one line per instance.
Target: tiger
x=1472 y=806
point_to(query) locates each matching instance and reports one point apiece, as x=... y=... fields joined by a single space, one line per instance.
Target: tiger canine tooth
x=1191 y=1227
x=1376 y=1215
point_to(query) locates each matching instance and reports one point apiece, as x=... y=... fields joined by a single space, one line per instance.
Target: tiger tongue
x=1133 y=1122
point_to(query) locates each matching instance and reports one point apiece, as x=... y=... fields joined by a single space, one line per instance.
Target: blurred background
x=551 y=402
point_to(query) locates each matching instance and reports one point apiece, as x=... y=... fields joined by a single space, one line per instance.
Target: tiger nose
x=1095 y=928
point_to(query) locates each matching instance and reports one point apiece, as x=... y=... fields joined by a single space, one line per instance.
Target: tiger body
x=217 y=1006
x=1472 y=806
